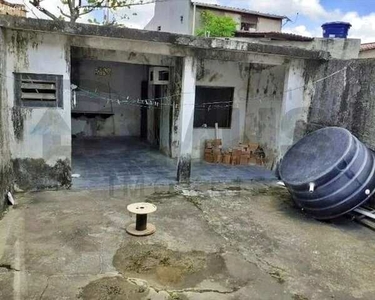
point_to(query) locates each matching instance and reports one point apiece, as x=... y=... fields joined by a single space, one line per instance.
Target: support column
x=186 y=119
x=295 y=106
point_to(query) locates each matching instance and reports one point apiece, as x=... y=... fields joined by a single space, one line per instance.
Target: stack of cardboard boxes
x=243 y=154
x=212 y=152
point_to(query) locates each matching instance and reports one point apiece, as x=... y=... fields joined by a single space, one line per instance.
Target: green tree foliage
x=216 y=26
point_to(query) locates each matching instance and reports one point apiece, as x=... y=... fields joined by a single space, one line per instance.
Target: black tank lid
x=315 y=155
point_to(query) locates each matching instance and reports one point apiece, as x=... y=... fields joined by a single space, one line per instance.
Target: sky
x=306 y=16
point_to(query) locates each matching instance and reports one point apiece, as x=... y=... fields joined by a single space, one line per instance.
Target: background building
x=12 y=9
x=185 y=17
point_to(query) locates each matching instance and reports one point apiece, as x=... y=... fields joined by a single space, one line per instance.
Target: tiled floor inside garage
x=111 y=162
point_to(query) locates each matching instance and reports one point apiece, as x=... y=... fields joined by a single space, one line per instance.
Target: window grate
x=39 y=90
x=213 y=105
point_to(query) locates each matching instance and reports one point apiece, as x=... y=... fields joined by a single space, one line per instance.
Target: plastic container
x=329 y=172
x=336 y=30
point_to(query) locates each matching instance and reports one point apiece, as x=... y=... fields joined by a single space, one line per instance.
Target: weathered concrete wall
x=165 y=112
x=223 y=74
x=295 y=106
x=263 y=107
x=174 y=90
x=367 y=54
x=123 y=82
x=345 y=99
x=337 y=48
x=5 y=160
x=81 y=52
x=40 y=138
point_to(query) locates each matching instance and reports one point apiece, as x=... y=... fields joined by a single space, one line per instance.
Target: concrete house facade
x=185 y=17
x=61 y=84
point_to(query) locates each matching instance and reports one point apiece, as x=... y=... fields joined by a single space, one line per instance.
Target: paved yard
x=118 y=161
x=212 y=242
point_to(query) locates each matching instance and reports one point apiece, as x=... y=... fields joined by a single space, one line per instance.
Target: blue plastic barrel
x=336 y=30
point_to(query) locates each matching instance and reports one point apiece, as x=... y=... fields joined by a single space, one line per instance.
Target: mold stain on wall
x=6 y=172
x=175 y=89
x=18 y=46
x=36 y=174
x=19 y=116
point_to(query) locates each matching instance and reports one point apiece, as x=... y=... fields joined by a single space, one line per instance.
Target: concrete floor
x=108 y=162
x=221 y=242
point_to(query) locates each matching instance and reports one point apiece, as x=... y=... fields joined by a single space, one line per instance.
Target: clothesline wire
x=158 y=102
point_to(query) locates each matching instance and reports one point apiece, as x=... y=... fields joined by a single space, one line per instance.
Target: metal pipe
x=365 y=213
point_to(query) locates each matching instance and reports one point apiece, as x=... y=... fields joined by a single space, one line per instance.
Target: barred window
x=213 y=105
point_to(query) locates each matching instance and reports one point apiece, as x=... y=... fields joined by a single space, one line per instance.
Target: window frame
x=57 y=103
x=230 y=113
x=244 y=24
x=251 y=21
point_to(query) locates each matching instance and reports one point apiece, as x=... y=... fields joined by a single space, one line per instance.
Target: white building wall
x=168 y=15
x=266 y=24
x=263 y=108
x=295 y=106
x=29 y=52
x=171 y=16
x=223 y=74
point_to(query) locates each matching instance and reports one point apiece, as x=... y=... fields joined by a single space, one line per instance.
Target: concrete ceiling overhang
x=166 y=43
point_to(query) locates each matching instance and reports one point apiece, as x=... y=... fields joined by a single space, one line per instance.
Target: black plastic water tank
x=329 y=172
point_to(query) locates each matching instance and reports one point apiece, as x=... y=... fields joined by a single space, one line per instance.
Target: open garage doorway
x=116 y=137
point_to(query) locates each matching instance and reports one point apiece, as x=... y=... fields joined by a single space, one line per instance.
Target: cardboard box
x=217 y=143
x=216 y=150
x=209 y=158
x=207 y=151
x=234 y=160
x=237 y=152
x=244 y=160
x=252 y=147
x=218 y=158
x=245 y=152
x=227 y=159
x=209 y=144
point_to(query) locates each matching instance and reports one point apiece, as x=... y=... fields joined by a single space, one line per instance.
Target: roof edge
x=177 y=40
x=239 y=10
x=367 y=47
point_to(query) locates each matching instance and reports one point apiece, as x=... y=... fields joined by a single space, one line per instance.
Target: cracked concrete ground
x=217 y=242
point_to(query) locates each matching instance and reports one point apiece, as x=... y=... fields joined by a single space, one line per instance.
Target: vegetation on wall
x=216 y=26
